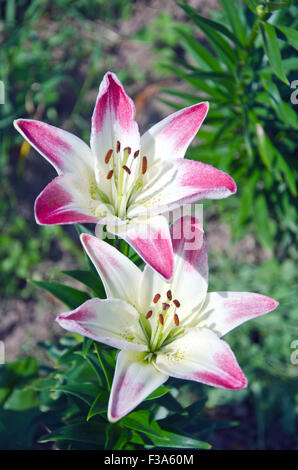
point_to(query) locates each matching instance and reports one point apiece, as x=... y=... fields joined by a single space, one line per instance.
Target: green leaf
x=98 y=406
x=159 y=392
x=219 y=44
x=89 y=279
x=247 y=199
x=264 y=146
x=291 y=35
x=131 y=423
x=71 y=297
x=85 y=392
x=92 y=433
x=170 y=439
x=272 y=50
x=289 y=174
x=262 y=222
x=215 y=76
x=199 y=53
x=234 y=19
x=87 y=343
x=209 y=25
x=276 y=5
x=251 y=5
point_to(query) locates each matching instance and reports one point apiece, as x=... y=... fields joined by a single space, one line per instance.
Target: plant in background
x=245 y=67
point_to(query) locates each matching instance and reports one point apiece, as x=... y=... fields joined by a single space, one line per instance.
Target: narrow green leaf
x=71 y=297
x=272 y=50
x=208 y=25
x=273 y=6
x=199 y=52
x=170 y=439
x=159 y=392
x=149 y=431
x=215 y=76
x=251 y=5
x=98 y=406
x=288 y=173
x=89 y=279
x=87 y=343
x=85 y=392
x=263 y=146
x=234 y=19
x=92 y=433
x=291 y=35
x=262 y=222
x=219 y=44
x=247 y=198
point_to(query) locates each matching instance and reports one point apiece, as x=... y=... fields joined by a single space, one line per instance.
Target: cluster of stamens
x=165 y=308
x=118 y=168
x=126 y=152
x=163 y=320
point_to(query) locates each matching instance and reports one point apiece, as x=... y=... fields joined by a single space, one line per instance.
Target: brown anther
x=160 y=317
x=127 y=149
x=108 y=155
x=177 y=303
x=176 y=319
x=117 y=146
x=165 y=306
x=126 y=169
x=156 y=298
x=136 y=154
x=169 y=295
x=148 y=314
x=110 y=174
x=144 y=165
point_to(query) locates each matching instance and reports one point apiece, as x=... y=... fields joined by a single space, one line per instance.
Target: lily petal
x=120 y=276
x=150 y=238
x=110 y=321
x=112 y=121
x=67 y=200
x=66 y=152
x=170 y=138
x=134 y=380
x=223 y=311
x=169 y=185
x=201 y=356
x=190 y=280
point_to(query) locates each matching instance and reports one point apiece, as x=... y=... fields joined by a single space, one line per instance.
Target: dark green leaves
x=89 y=279
x=71 y=297
x=291 y=35
x=273 y=51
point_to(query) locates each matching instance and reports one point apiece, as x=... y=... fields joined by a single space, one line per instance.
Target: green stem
x=103 y=367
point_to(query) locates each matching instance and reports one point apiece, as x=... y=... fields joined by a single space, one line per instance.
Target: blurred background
x=241 y=56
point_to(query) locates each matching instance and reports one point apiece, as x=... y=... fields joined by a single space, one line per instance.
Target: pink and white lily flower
x=163 y=328
x=122 y=177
